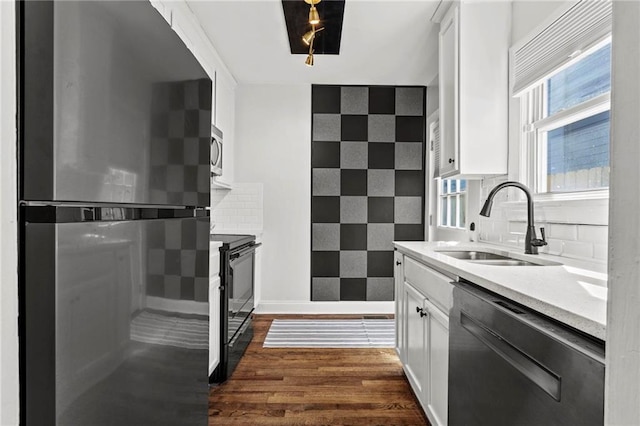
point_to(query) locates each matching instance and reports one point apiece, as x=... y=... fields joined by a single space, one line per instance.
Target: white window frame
x=446 y=198
x=534 y=127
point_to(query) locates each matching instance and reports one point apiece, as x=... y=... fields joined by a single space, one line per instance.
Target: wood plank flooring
x=296 y=386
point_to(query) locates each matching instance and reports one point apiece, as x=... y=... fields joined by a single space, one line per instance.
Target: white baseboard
x=356 y=308
x=181 y=306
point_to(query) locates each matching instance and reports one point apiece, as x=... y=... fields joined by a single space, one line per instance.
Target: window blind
x=578 y=29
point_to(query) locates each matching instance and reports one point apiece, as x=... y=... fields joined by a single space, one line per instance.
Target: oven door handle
x=245 y=251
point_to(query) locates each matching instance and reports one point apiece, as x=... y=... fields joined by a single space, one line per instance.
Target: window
x=562 y=76
x=452 y=203
x=566 y=125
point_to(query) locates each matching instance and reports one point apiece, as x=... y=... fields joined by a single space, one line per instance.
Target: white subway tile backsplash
x=595 y=234
x=576 y=229
x=510 y=240
x=517 y=228
x=588 y=242
x=578 y=249
x=553 y=247
x=238 y=208
x=600 y=251
x=561 y=231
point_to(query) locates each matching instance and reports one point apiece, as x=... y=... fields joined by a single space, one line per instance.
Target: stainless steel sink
x=488 y=258
x=474 y=255
x=506 y=262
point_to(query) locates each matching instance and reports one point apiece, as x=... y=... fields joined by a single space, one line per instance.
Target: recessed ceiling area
x=327 y=41
x=388 y=42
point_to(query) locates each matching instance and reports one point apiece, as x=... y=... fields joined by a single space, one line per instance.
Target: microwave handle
x=219 y=150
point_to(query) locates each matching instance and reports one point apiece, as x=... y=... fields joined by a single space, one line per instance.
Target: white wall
x=273 y=146
x=622 y=390
x=528 y=14
x=9 y=398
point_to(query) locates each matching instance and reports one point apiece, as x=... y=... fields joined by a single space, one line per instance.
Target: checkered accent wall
x=181 y=134
x=367 y=173
x=178 y=259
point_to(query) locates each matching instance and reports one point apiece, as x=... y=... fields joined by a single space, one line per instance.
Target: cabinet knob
x=421 y=311
x=398 y=262
x=451 y=160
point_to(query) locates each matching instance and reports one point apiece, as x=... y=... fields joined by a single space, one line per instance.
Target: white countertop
x=565 y=292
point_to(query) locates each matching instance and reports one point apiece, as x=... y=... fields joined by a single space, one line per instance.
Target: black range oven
x=237 y=273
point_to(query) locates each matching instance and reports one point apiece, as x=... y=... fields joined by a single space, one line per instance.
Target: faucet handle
x=537 y=242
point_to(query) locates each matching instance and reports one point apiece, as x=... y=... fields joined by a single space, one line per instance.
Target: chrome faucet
x=531 y=242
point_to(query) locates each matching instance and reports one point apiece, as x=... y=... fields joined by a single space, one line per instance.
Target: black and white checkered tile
x=178 y=259
x=367 y=160
x=181 y=132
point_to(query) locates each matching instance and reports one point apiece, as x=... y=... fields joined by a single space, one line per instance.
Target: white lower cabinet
x=399 y=308
x=437 y=365
x=415 y=338
x=423 y=300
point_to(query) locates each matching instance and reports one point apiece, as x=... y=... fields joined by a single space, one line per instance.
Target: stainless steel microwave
x=216 y=151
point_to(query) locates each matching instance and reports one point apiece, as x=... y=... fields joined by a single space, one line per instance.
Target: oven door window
x=240 y=290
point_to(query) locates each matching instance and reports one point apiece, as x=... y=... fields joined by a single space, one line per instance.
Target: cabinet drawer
x=434 y=285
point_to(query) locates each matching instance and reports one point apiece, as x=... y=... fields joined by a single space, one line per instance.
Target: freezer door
x=117 y=322
x=116 y=108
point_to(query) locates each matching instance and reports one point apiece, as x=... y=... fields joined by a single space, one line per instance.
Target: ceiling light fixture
x=309 y=37
x=309 y=61
x=314 y=17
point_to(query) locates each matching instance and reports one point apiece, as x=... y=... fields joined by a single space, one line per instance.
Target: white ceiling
x=383 y=42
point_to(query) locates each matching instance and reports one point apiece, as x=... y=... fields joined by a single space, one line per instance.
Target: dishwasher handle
x=544 y=378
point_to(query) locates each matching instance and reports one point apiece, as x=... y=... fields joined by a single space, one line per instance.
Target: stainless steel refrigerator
x=114 y=131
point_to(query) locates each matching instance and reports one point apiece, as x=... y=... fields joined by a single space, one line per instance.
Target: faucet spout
x=531 y=242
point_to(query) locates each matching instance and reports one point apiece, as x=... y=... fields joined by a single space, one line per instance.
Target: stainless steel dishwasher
x=511 y=366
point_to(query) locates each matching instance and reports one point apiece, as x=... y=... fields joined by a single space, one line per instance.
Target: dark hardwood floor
x=314 y=387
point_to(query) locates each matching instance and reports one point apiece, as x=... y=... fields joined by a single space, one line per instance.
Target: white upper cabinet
x=473 y=73
x=225 y=121
x=186 y=25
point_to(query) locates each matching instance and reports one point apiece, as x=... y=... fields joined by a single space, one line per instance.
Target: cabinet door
x=399 y=305
x=225 y=120
x=415 y=342
x=437 y=365
x=449 y=64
